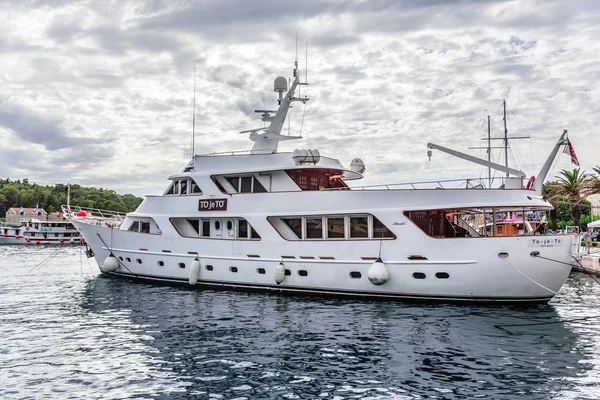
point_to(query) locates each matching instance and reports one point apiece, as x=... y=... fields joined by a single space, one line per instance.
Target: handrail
x=105 y=214
x=465 y=183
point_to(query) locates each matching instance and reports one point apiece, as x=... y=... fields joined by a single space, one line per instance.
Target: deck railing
x=468 y=183
x=94 y=216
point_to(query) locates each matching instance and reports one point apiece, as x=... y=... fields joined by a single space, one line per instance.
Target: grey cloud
x=34 y=128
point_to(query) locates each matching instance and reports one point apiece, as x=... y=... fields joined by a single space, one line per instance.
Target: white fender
x=111 y=264
x=279 y=273
x=378 y=273
x=194 y=271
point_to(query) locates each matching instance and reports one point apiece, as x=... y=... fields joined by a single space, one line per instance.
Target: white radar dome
x=357 y=165
x=280 y=84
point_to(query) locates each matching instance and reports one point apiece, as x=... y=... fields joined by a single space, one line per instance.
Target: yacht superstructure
x=272 y=221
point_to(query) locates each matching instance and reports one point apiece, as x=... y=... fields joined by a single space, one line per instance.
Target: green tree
x=574 y=186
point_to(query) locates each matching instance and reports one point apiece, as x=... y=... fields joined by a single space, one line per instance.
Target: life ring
x=27 y=228
x=530 y=183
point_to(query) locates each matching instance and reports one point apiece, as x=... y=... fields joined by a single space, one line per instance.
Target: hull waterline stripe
x=344 y=293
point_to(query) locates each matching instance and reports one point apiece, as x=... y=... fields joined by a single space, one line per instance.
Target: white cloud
x=102 y=93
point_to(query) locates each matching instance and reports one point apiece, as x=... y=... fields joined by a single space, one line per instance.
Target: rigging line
x=111 y=252
x=81 y=258
x=537 y=283
x=302 y=123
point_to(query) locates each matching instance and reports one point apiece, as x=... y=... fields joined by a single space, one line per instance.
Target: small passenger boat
x=40 y=232
x=291 y=222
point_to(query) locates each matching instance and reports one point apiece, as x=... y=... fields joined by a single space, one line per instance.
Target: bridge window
x=183 y=187
x=246 y=184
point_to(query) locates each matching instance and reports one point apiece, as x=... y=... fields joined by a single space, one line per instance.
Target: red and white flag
x=570 y=151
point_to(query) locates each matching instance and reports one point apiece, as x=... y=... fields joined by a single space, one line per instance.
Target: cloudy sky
x=100 y=93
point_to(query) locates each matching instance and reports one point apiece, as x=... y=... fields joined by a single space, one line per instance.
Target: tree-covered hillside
x=50 y=198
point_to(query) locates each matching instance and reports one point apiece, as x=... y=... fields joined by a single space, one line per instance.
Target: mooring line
x=111 y=252
x=532 y=280
x=501 y=326
x=45 y=260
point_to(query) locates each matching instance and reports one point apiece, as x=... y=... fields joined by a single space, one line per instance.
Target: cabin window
x=258 y=187
x=335 y=228
x=236 y=228
x=479 y=222
x=195 y=223
x=246 y=186
x=135 y=227
x=380 y=230
x=295 y=224
x=195 y=188
x=145 y=227
x=243 y=228
x=170 y=190
x=359 y=227
x=314 y=228
x=183 y=187
x=205 y=228
x=235 y=182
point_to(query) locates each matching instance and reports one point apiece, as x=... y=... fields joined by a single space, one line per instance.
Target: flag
x=570 y=151
x=21 y=211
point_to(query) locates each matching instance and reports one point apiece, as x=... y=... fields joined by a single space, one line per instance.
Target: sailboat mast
x=505 y=138
x=489 y=153
x=194 y=119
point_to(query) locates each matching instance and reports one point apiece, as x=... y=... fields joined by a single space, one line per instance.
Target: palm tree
x=574 y=185
x=548 y=192
x=595 y=186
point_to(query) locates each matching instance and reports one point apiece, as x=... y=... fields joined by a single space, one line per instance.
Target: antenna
x=306 y=60
x=194 y=119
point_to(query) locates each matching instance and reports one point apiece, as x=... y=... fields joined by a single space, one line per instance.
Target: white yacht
x=40 y=232
x=288 y=222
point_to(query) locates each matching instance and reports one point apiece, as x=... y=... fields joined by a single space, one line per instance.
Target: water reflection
x=258 y=346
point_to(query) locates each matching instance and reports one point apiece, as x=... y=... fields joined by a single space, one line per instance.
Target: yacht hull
x=474 y=270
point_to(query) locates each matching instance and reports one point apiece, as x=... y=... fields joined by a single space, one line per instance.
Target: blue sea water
x=67 y=332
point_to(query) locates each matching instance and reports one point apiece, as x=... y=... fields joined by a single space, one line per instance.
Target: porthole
x=442 y=275
x=120 y=258
x=355 y=275
x=419 y=275
x=288 y=272
x=128 y=259
x=229 y=225
x=303 y=272
x=181 y=265
x=233 y=269
x=138 y=261
x=209 y=267
x=161 y=263
x=217 y=225
x=261 y=271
